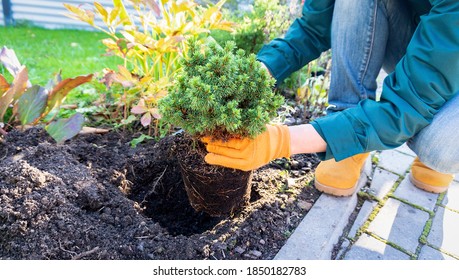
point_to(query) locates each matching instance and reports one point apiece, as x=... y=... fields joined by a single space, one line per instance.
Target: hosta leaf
x=32 y=104
x=65 y=129
x=60 y=91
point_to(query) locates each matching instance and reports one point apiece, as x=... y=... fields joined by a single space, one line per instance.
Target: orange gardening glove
x=248 y=154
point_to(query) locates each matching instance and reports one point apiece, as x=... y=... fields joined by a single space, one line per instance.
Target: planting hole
x=160 y=192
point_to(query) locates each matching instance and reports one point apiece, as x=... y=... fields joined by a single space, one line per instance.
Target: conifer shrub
x=220 y=92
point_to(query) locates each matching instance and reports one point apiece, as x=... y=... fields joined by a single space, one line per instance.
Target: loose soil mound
x=95 y=197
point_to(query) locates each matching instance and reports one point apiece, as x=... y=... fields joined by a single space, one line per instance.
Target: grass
x=44 y=52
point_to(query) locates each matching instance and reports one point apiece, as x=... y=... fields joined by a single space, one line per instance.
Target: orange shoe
x=427 y=179
x=340 y=178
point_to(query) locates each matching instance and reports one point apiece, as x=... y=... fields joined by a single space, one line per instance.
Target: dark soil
x=95 y=197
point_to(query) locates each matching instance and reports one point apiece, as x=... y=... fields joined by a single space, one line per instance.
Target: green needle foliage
x=221 y=93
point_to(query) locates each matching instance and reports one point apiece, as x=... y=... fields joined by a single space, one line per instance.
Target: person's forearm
x=304 y=139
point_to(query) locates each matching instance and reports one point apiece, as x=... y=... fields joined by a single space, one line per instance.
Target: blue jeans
x=370 y=35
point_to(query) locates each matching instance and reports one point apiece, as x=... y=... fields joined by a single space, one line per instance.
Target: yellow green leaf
x=80 y=14
x=102 y=11
x=125 y=78
x=113 y=14
x=124 y=16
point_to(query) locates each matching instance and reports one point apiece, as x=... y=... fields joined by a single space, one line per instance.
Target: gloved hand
x=248 y=154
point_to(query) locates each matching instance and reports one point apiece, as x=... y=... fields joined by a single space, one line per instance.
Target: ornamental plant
x=259 y=23
x=221 y=92
x=28 y=105
x=150 y=40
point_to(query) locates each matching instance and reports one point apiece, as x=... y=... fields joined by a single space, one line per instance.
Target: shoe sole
x=428 y=188
x=335 y=191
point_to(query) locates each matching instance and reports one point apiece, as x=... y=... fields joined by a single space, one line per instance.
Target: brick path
x=392 y=220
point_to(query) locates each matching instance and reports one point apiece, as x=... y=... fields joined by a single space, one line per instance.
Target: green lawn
x=45 y=52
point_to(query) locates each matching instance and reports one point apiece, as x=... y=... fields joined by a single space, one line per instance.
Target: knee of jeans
x=439 y=158
x=347 y=9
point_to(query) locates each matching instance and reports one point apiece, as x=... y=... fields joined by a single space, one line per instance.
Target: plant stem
x=3 y=132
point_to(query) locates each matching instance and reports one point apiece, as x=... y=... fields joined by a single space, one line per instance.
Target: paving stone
x=400 y=224
x=362 y=217
x=407 y=191
x=395 y=161
x=370 y=248
x=320 y=229
x=451 y=199
x=445 y=231
x=382 y=182
x=328 y=217
x=429 y=253
x=406 y=150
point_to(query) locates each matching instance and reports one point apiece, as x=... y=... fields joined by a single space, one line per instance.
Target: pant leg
x=366 y=34
x=437 y=145
x=401 y=21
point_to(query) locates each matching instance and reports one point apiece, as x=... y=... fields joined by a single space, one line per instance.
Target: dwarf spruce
x=220 y=92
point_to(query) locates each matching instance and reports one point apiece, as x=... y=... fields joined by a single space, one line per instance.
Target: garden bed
x=95 y=197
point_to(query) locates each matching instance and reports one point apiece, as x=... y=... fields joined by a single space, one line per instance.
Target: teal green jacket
x=425 y=78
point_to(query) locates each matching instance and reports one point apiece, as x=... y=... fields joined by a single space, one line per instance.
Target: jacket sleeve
x=424 y=79
x=305 y=40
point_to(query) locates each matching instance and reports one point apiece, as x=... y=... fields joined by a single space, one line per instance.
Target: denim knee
x=438 y=157
x=437 y=145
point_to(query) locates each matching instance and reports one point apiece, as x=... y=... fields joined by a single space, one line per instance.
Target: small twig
x=93 y=130
x=85 y=254
x=3 y=132
x=153 y=189
x=69 y=106
x=65 y=250
x=146 y=237
x=6 y=153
